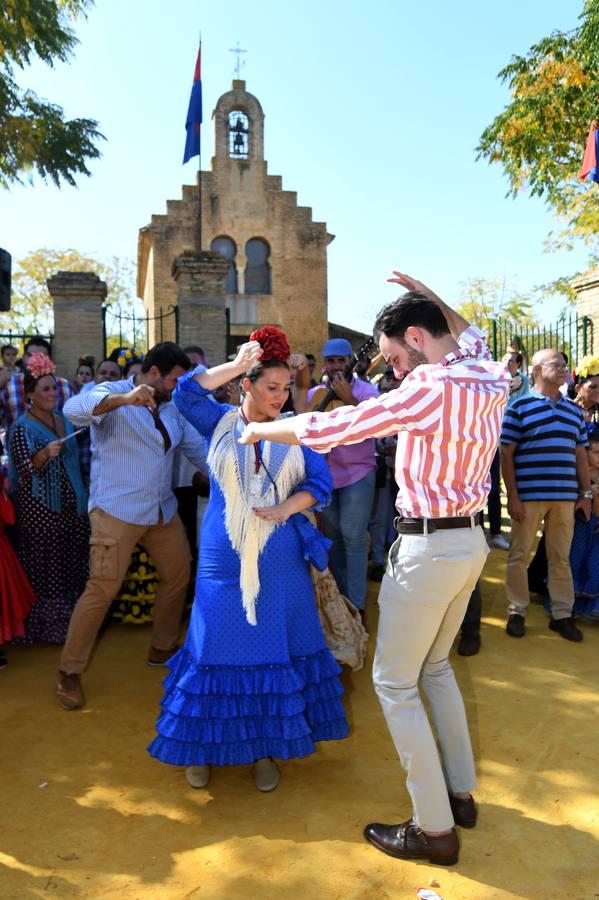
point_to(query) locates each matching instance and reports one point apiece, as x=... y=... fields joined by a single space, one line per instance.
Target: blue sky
x=373 y=112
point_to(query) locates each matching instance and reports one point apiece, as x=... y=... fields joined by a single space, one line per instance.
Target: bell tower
x=238 y=126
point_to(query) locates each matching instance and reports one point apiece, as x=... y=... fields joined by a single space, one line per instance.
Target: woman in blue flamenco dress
x=254 y=679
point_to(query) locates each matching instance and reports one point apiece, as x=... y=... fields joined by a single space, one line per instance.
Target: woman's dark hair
x=412 y=309
x=165 y=357
x=30 y=381
x=259 y=368
x=88 y=362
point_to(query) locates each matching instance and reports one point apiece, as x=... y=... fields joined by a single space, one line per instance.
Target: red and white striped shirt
x=447 y=417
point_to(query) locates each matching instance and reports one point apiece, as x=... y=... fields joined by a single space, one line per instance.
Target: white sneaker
x=266 y=775
x=197 y=776
x=499 y=542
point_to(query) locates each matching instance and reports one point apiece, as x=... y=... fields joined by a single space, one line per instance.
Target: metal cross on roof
x=239 y=63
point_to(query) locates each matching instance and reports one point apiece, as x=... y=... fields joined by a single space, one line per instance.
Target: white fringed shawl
x=233 y=466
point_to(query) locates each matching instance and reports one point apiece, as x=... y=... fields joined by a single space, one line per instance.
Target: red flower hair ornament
x=39 y=365
x=273 y=342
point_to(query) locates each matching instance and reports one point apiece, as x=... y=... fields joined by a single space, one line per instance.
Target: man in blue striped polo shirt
x=546 y=473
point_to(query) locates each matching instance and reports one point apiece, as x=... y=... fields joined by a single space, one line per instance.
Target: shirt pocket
x=103 y=557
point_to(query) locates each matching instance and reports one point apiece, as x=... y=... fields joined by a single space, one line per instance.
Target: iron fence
x=139 y=331
x=572 y=335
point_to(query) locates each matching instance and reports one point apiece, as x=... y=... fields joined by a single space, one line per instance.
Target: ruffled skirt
x=230 y=715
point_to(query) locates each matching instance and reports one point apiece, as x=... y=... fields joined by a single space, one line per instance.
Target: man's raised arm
x=457 y=323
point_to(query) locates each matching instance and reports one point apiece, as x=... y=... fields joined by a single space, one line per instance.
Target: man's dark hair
x=193 y=348
x=5 y=347
x=412 y=309
x=38 y=341
x=165 y=357
x=310 y=357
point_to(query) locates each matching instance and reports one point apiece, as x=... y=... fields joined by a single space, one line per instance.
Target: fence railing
x=572 y=335
x=138 y=331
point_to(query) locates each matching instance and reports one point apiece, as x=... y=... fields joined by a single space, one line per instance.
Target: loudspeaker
x=5 y=269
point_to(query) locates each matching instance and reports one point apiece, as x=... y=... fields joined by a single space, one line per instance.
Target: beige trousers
x=422 y=602
x=558 y=516
x=111 y=543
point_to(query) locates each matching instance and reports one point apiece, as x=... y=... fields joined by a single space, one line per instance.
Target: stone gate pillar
x=77 y=298
x=200 y=280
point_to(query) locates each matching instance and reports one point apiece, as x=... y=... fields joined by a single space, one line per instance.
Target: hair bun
x=273 y=342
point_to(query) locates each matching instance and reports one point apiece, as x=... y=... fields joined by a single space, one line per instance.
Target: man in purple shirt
x=346 y=520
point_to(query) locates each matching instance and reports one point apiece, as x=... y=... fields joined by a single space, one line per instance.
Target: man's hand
x=585 y=505
x=247 y=355
x=142 y=395
x=248 y=435
x=342 y=388
x=516 y=509
x=410 y=284
x=278 y=514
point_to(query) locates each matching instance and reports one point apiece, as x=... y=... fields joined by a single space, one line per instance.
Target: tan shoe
x=266 y=774
x=69 y=691
x=158 y=657
x=197 y=776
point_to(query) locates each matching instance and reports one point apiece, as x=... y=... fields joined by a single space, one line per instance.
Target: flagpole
x=199 y=235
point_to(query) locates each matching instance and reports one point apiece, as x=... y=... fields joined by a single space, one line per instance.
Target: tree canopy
x=539 y=137
x=34 y=133
x=31 y=302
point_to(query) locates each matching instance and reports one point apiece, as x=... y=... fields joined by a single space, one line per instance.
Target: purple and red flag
x=590 y=161
x=193 y=121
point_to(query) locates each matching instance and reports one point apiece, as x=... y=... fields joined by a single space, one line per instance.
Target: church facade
x=276 y=253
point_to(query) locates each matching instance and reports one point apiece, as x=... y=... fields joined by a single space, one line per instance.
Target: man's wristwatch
x=586 y=495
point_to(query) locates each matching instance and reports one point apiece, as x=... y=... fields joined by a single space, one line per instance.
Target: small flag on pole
x=194 y=113
x=590 y=162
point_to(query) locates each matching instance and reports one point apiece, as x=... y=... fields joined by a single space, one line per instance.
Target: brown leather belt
x=404 y=525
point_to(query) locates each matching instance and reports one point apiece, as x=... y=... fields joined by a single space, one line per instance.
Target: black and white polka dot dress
x=53 y=548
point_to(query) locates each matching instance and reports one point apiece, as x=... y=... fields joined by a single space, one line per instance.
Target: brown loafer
x=464 y=811
x=69 y=691
x=408 y=841
x=158 y=657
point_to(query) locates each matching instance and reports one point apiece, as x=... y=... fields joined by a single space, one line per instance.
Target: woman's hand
x=278 y=514
x=53 y=449
x=301 y=370
x=247 y=355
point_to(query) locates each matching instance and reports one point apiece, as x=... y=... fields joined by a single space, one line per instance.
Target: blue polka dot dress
x=238 y=692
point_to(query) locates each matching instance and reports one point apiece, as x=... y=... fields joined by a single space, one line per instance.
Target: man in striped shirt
x=546 y=474
x=447 y=415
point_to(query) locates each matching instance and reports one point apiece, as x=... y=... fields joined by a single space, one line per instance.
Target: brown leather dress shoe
x=464 y=811
x=408 y=841
x=158 y=657
x=69 y=691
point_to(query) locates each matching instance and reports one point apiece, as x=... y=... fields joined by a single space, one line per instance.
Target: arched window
x=257 y=269
x=227 y=248
x=239 y=128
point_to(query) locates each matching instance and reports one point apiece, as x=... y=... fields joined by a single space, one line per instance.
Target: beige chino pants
x=558 y=516
x=111 y=543
x=423 y=599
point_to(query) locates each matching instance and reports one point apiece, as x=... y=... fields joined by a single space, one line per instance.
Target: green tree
x=34 y=133
x=482 y=299
x=31 y=309
x=539 y=137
